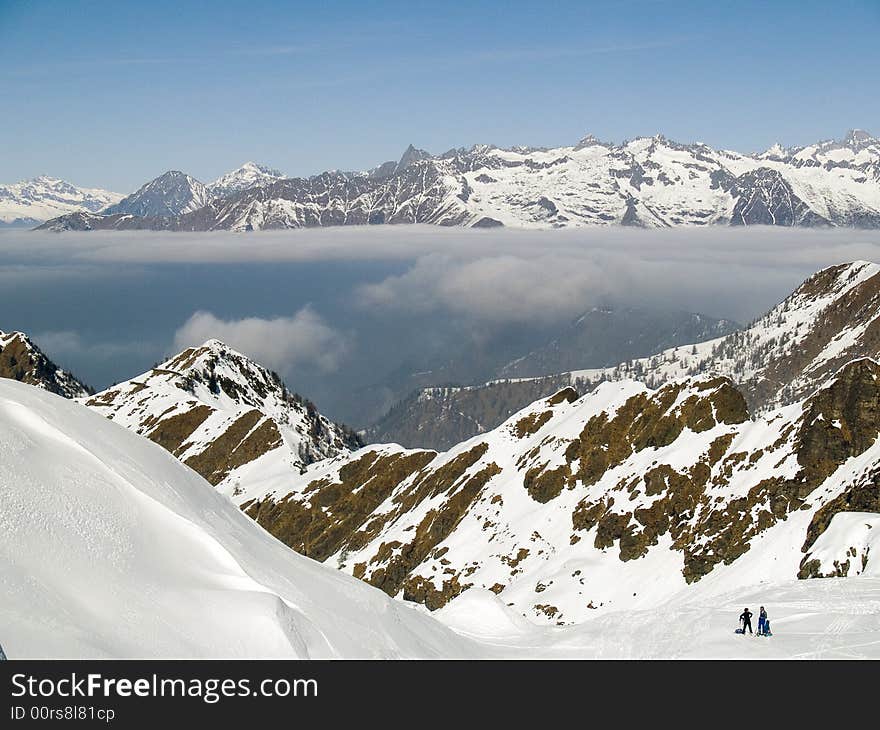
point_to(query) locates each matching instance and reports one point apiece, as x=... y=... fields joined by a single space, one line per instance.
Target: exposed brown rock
x=528 y=425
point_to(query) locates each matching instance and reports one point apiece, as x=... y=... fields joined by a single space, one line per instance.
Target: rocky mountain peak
x=410 y=156
x=588 y=140
x=858 y=138
x=224 y=415
x=22 y=360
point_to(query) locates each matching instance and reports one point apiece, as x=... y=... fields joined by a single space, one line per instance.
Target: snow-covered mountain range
x=228 y=418
x=649 y=182
x=30 y=202
x=173 y=193
x=22 y=360
x=832 y=318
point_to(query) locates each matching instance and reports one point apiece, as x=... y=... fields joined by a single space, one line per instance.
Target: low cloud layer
x=345 y=312
x=281 y=343
x=497 y=275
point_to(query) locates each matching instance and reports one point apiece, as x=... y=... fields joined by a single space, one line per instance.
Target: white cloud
x=281 y=343
x=503 y=288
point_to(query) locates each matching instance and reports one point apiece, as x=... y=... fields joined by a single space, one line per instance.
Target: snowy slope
x=34 y=201
x=224 y=415
x=109 y=547
x=249 y=175
x=836 y=618
x=22 y=360
x=621 y=499
x=648 y=181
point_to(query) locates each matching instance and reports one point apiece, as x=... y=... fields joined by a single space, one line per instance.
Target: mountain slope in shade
x=648 y=182
x=249 y=175
x=112 y=548
x=832 y=318
x=22 y=360
x=621 y=499
x=172 y=193
x=225 y=416
x=609 y=335
x=33 y=201
x=601 y=336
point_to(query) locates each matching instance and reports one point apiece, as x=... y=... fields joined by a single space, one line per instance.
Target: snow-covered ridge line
x=227 y=417
x=649 y=182
x=32 y=201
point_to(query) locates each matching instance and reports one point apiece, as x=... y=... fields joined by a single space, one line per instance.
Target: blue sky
x=112 y=94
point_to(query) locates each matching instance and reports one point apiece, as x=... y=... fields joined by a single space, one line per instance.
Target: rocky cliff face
x=623 y=496
x=22 y=360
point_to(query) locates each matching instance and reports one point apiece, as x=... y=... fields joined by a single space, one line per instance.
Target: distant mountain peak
x=250 y=174
x=412 y=155
x=858 y=138
x=172 y=193
x=588 y=140
x=774 y=151
x=251 y=165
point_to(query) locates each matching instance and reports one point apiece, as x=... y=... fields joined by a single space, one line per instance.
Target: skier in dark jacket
x=746 y=619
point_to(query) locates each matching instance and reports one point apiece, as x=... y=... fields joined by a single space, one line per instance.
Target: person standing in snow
x=746 y=619
x=2 y=655
x=762 y=622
